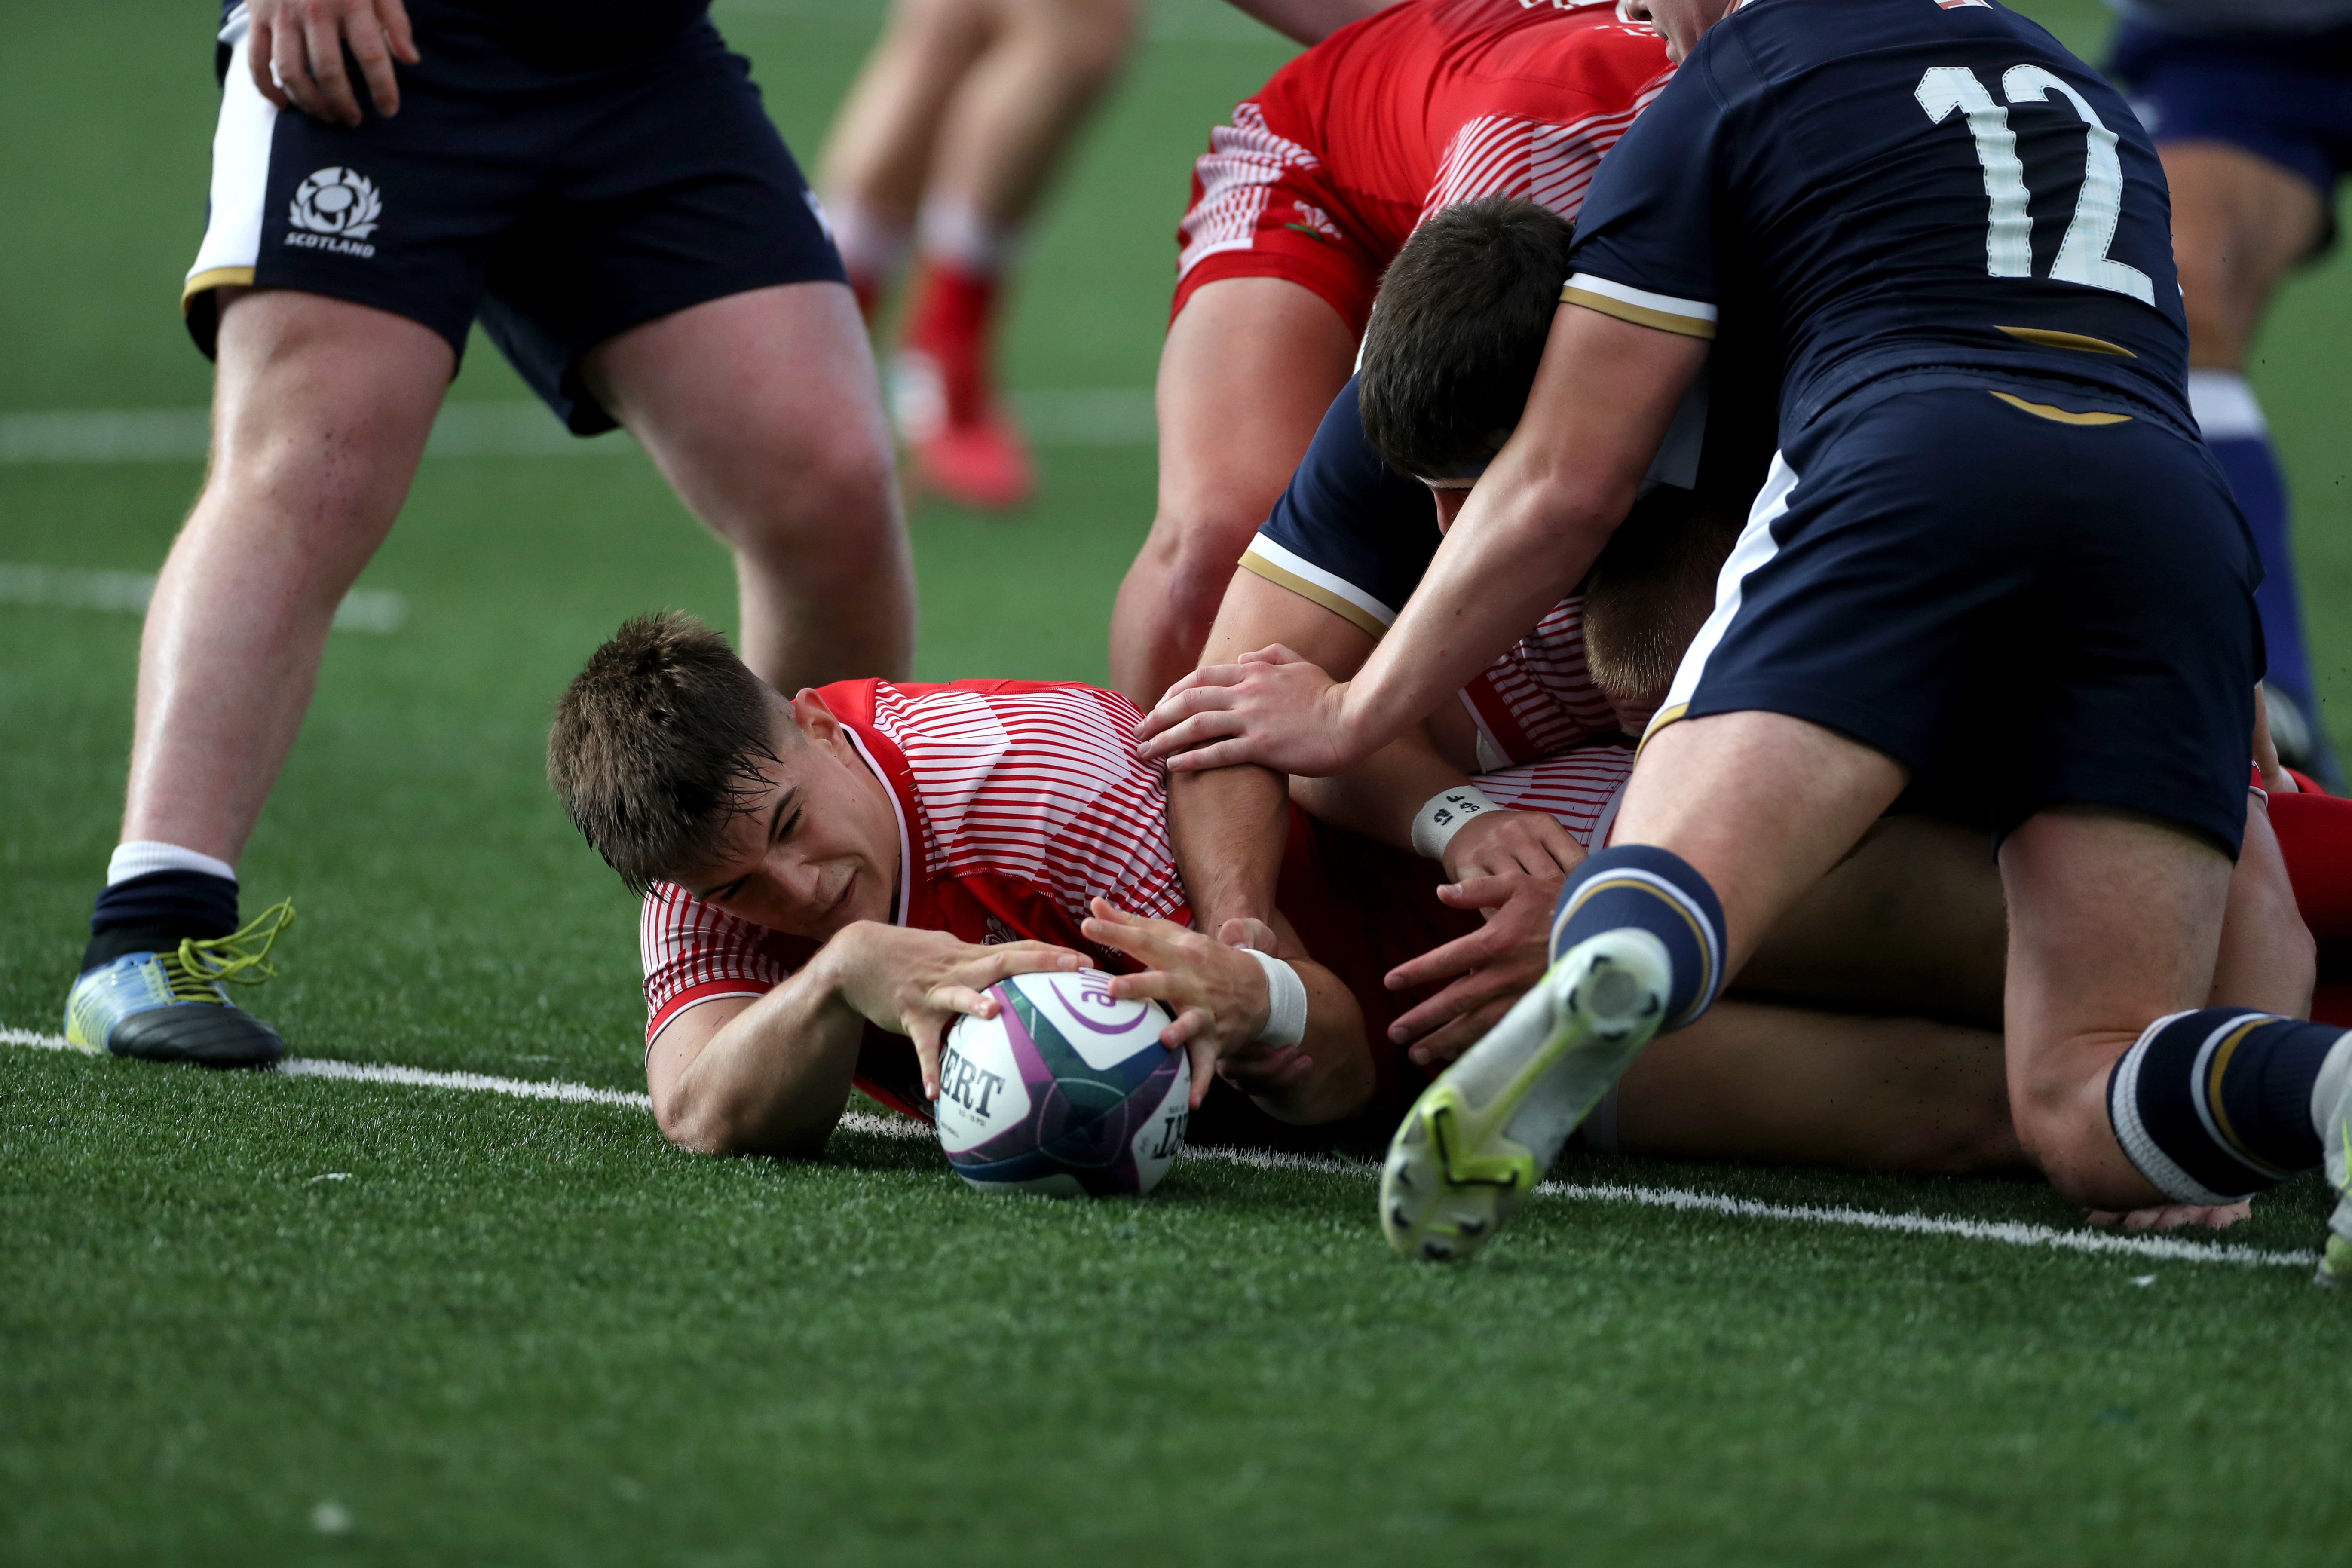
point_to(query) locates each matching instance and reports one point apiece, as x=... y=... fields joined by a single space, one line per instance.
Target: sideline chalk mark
x=2007 y=1233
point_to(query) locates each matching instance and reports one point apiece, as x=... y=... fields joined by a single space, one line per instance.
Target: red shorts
x=1319 y=178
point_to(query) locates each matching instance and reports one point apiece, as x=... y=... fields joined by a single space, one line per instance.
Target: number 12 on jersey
x=2009 y=232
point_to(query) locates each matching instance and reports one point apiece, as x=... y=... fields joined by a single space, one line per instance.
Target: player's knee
x=2062 y=1126
x=1194 y=552
x=1089 y=38
x=831 y=491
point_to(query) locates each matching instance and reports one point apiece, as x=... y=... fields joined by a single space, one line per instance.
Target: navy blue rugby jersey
x=1349 y=532
x=1878 y=186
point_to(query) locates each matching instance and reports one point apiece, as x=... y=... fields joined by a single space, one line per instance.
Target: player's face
x=818 y=849
x=1449 y=495
x=1682 y=23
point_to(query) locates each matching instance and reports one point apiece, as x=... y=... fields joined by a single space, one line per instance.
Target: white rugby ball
x=1067 y=1091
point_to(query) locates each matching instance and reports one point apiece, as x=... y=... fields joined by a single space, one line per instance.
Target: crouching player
x=831 y=881
x=1297 y=206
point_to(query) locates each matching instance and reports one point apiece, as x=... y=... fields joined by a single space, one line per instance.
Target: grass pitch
x=281 y=1320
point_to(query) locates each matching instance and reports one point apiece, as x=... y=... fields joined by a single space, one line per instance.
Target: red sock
x=950 y=322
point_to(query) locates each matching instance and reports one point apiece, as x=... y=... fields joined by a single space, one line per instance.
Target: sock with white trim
x=952 y=233
x=874 y=244
x=2217 y=1105
x=1660 y=892
x=157 y=894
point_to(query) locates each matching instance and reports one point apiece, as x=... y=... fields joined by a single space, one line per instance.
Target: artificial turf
x=520 y=1332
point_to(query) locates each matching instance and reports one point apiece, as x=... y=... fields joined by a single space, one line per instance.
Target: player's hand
x=1483 y=973
x=1501 y=843
x=2268 y=770
x=1219 y=996
x=918 y=982
x=2171 y=1216
x=296 y=54
x=1273 y=708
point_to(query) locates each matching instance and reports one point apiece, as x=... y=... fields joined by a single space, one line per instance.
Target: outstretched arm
x=1603 y=397
x=771 y=1077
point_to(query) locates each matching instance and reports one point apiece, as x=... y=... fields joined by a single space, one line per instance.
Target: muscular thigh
x=1912 y=921
x=1249 y=367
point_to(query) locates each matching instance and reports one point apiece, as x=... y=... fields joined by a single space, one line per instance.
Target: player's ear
x=812 y=719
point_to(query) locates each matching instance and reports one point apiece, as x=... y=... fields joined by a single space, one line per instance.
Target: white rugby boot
x=2331 y=1101
x=1483 y=1136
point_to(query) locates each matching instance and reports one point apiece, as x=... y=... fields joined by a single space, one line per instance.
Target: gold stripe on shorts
x=2050 y=411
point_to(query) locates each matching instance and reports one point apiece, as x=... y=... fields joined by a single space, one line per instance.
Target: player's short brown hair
x=657 y=743
x=1457 y=332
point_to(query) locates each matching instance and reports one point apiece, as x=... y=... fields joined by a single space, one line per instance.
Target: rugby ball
x=1066 y=1092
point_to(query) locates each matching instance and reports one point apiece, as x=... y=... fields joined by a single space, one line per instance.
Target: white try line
x=127 y=592
x=1059 y=416
x=2006 y=1233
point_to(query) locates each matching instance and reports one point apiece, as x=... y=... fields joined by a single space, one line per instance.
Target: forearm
x=1342 y=1079
x=1228 y=825
x=773 y=1080
x=1380 y=797
x=1491 y=580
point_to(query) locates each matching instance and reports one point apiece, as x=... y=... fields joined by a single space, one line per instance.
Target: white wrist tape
x=1442 y=816
x=1286 y=993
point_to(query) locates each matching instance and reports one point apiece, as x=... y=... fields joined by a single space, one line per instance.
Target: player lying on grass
x=832 y=881
x=1992 y=550
x=1299 y=205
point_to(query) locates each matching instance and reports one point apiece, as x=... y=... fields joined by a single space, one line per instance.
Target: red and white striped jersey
x=1538 y=699
x=1016 y=801
x=1580 y=788
x=1323 y=173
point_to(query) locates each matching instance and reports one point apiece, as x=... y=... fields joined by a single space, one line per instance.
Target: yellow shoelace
x=196 y=967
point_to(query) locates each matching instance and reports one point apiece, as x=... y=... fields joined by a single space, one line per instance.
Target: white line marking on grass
x=2012 y=1233
x=127 y=592
x=2007 y=1233
x=1051 y=417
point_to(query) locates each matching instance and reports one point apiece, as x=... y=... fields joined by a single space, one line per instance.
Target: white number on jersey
x=2009 y=230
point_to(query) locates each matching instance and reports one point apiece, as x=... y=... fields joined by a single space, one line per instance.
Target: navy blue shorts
x=2285 y=98
x=2027 y=603
x=558 y=205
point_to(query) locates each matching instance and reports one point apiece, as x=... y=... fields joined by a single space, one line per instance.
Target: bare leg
x=2115 y=922
x=879 y=151
x=1018 y=107
x=1788 y=1085
x=2268 y=960
x=2238 y=223
x=320 y=409
x=1761 y=804
x=762 y=410
x=1250 y=366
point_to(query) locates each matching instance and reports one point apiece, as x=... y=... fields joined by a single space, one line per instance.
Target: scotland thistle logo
x=333 y=209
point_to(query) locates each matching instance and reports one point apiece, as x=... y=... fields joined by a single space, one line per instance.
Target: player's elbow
x=706 y=1123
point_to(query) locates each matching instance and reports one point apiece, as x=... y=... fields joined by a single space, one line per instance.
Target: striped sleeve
x=1540 y=698
x=1580 y=790
x=694 y=951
